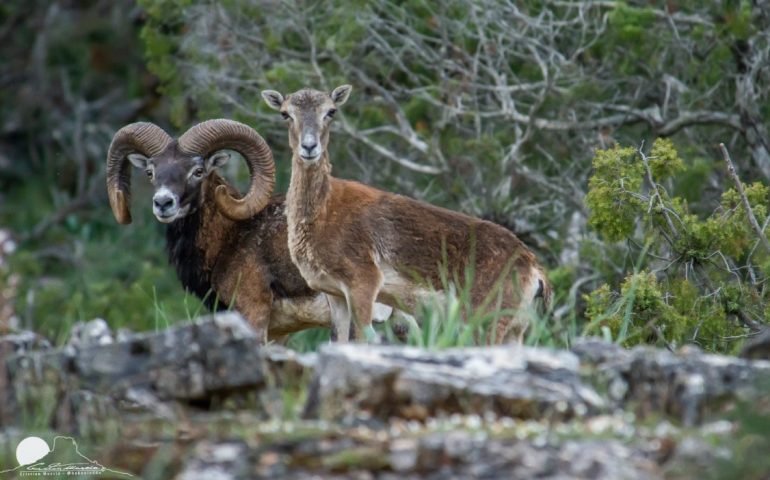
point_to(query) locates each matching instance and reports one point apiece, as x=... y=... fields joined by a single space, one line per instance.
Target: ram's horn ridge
x=213 y=135
x=141 y=137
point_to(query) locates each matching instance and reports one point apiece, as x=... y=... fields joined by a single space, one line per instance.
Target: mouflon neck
x=309 y=189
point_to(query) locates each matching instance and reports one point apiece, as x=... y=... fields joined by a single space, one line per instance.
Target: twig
x=387 y=153
x=751 y=254
x=739 y=186
x=751 y=324
x=661 y=337
x=656 y=193
x=743 y=335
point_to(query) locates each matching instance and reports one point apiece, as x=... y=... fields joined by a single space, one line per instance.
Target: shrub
x=698 y=278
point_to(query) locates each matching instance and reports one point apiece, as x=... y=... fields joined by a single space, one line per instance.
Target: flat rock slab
x=219 y=355
x=184 y=363
x=212 y=357
x=392 y=381
x=689 y=385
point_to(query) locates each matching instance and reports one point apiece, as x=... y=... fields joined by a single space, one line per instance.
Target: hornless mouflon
x=361 y=245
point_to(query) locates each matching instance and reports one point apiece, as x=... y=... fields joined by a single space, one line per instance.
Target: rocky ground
x=203 y=401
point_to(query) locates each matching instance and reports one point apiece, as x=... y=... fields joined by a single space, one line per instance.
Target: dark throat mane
x=188 y=259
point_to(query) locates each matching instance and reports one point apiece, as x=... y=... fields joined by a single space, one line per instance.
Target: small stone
x=403 y=455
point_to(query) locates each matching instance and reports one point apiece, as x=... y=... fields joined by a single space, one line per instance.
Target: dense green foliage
x=697 y=278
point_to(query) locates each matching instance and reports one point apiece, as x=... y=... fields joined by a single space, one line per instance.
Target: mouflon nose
x=163 y=203
x=309 y=142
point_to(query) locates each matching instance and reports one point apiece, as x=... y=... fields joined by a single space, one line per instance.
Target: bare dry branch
x=746 y=205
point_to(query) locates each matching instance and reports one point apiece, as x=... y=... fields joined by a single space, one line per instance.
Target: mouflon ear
x=273 y=99
x=217 y=160
x=138 y=160
x=340 y=94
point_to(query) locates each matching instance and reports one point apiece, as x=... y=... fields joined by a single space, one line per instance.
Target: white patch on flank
x=381 y=312
x=526 y=312
x=308 y=311
x=529 y=291
x=319 y=280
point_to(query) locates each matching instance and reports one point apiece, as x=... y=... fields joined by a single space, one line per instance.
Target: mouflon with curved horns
x=225 y=248
x=361 y=245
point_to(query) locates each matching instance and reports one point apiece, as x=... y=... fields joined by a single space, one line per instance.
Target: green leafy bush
x=698 y=278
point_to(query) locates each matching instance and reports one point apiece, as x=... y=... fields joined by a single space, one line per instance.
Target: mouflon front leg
x=360 y=299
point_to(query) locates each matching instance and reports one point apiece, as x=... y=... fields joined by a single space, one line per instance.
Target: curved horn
x=213 y=135
x=145 y=138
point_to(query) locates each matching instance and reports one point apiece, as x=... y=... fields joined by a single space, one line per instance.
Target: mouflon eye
x=285 y=116
x=198 y=172
x=149 y=173
x=330 y=113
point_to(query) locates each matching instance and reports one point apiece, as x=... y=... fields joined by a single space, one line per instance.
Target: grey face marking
x=308 y=111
